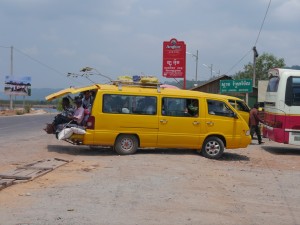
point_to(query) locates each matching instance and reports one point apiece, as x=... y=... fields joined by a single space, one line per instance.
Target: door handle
x=196 y=122
x=210 y=123
x=163 y=121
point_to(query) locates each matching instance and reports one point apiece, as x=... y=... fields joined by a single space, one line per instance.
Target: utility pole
x=255 y=55
x=196 y=67
x=11 y=74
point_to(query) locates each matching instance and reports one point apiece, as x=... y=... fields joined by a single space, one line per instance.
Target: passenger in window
x=141 y=105
x=212 y=107
x=193 y=108
x=125 y=108
x=116 y=104
x=150 y=106
x=87 y=102
x=107 y=102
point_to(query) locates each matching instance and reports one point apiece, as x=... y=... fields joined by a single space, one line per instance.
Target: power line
x=238 y=61
x=39 y=62
x=263 y=22
x=255 y=41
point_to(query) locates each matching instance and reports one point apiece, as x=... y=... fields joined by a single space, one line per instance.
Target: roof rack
x=120 y=84
x=137 y=81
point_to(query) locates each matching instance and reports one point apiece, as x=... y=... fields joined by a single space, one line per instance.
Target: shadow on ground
x=81 y=150
x=228 y=156
x=280 y=150
x=108 y=151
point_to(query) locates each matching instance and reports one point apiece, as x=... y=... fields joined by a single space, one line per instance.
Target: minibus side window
x=219 y=108
x=241 y=106
x=180 y=107
x=129 y=104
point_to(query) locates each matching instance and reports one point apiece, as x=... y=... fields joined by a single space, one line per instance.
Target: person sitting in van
x=79 y=112
x=150 y=106
x=107 y=103
x=64 y=117
x=87 y=100
x=192 y=108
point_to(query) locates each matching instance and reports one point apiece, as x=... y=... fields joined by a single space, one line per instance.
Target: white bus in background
x=282 y=106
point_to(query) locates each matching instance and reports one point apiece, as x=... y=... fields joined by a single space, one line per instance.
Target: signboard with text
x=17 y=85
x=174 y=59
x=238 y=86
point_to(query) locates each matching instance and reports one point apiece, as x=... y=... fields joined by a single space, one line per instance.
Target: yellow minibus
x=129 y=117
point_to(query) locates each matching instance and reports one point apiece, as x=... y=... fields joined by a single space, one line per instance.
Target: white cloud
x=126 y=36
x=65 y=52
x=288 y=11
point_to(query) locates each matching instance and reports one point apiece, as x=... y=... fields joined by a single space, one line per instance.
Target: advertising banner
x=174 y=59
x=20 y=86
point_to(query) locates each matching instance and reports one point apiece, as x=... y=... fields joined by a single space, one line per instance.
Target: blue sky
x=124 y=37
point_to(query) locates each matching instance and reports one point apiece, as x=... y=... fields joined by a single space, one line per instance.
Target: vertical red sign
x=174 y=59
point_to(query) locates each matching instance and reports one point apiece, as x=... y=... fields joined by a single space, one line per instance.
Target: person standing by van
x=254 y=123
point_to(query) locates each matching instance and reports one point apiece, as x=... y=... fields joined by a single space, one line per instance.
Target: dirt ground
x=256 y=185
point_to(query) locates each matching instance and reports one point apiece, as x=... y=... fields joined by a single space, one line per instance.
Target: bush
x=19 y=112
x=27 y=108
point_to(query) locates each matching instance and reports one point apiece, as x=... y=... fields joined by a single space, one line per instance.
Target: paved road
x=25 y=126
x=19 y=135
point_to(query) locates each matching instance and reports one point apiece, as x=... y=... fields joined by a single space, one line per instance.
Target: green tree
x=263 y=64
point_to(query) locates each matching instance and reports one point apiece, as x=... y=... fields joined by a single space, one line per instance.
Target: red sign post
x=174 y=59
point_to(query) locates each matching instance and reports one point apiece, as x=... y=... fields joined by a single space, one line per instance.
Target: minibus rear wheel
x=126 y=144
x=213 y=148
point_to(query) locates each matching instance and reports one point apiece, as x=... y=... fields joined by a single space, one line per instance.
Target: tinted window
x=242 y=106
x=219 y=108
x=182 y=107
x=292 y=93
x=239 y=105
x=129 y=104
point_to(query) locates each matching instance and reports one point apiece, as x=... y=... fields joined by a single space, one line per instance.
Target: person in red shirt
x=254 y=122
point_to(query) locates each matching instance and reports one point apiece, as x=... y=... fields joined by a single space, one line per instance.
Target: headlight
x=247 y=132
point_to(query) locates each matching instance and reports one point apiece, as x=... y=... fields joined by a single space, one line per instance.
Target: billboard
x=17 y=85
x=174 y=59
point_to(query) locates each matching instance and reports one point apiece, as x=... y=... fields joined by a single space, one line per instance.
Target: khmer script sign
x=240 y=86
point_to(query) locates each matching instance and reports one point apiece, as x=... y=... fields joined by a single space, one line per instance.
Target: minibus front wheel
x=126 y=144
x=213 y=147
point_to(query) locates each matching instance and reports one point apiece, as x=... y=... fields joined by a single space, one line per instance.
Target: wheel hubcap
x=126 y=144
x=212 y=148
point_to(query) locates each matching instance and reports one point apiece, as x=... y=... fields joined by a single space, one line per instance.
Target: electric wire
x=262 y=24
x=238 y=62
x=255 y=41
x=41 y=63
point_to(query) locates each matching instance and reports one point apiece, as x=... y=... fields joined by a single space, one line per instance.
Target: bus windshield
x=273 y=84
